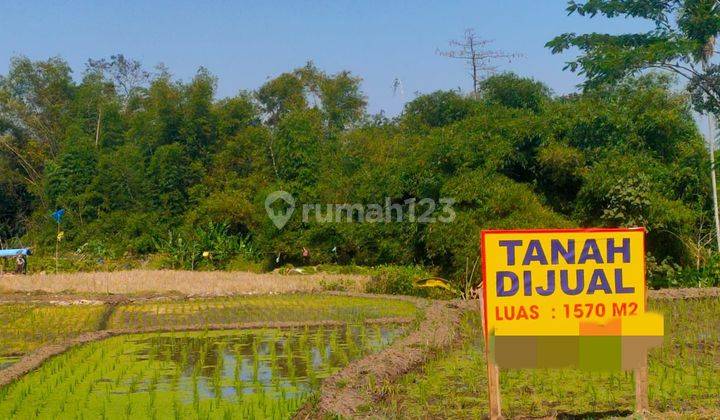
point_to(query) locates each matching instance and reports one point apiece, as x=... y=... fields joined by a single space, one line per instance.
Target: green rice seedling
x=124 y=376
x=295 y=307
x=29 y=326
x=684 y=377
x=289 y=358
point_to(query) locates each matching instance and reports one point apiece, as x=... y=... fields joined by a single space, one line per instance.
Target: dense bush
x=405 y=280
x=396 y=280
x=667 y=274
x=163 y=167
x=209 y=246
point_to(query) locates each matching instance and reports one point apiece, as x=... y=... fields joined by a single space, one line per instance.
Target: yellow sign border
x=483 y=256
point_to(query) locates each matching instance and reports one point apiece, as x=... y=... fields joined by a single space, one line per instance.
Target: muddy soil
x=82 y=298
x=70 y=298
x=688 y=293
x=358 y=385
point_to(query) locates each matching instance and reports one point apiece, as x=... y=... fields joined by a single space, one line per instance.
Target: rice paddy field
x=258 y=308
x=28 y=326
x=684 y=377
x=264 y=373
x=209 y=372
x=174 y=359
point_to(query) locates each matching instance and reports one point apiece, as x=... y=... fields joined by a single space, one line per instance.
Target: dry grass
x=185 y=282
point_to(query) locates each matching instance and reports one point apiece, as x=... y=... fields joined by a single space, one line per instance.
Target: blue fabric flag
x=58 y=215
x=5 y=253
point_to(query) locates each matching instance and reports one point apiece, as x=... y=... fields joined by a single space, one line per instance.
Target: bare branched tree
x=474 y=50
x=126 y=74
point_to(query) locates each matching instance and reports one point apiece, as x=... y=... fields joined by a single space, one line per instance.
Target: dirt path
x=45 y=294
x=688 y=293
x=192 y=283
x=354 y=388
x=82 y=298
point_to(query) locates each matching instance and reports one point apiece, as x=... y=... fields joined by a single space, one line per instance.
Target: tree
x=199 y=131
x=15 y=205
x=69 y=176
x=175 y=158
x=34 y=99
x=236 y=113
x=436 y=109
x=473 y=50
x=126 y=75
x=513 y=91
x=126 y=79
x=342 y=101
x=160 y=119
x=98 y=109
x=121 y=179
x=281 y=95
x=682 y=42
x=298 y=146
x=169 y=173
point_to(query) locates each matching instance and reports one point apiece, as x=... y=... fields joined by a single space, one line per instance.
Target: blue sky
x=244 y=43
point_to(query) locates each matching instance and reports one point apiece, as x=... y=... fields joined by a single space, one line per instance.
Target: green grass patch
x=684 y=376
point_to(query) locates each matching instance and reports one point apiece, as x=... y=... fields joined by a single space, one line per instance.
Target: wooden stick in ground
x=642 y=404
x=57 y=247
x=494 y=390
x=493 y=373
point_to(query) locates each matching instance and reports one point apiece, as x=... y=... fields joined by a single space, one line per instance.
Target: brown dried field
x=192 y=283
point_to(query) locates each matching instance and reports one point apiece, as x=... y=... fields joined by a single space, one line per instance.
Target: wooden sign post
x=640 y=374
x=493 y=373
x=553 y=298
x=642 y=404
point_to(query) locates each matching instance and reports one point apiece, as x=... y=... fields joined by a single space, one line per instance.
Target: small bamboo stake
x=57 y=247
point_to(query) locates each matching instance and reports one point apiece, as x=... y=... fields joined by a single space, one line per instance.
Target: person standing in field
x=306 y=256
x=20 y=264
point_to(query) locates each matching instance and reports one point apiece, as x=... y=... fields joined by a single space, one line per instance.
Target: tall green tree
x=513 y=91
x=199 y=130
x=169 y=173
x=682 y=41
x=280 y=96
x=35 y=99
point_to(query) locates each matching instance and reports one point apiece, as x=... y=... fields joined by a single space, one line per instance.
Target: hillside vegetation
x=147 y=164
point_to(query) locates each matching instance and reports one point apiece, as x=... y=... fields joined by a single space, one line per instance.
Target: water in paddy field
x=264 y=373
x=276 y=363
x=7 y=361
